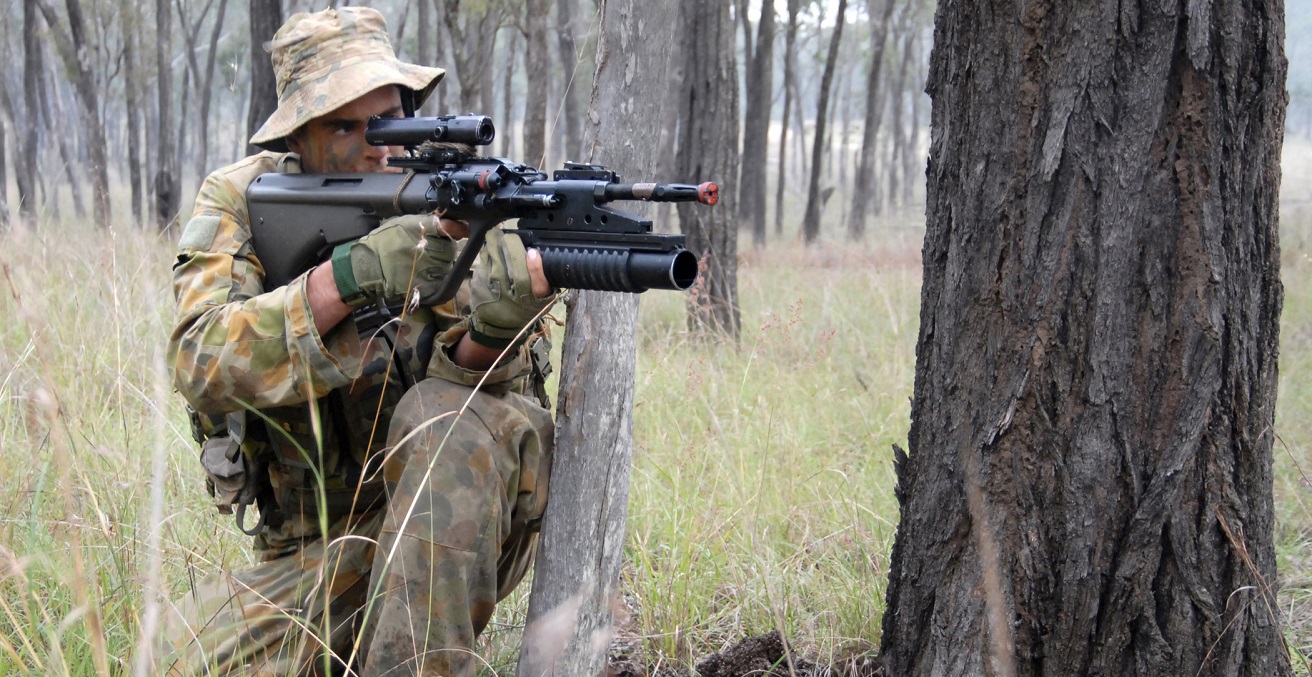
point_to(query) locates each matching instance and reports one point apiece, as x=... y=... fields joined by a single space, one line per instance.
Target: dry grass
x=762 y=487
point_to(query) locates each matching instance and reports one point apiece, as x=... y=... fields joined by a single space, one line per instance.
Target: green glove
x=501 y=294
x=404 y=253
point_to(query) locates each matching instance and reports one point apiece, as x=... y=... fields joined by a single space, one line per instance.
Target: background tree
x=708 y=151
x=473 y=28
x=76 y=51
x=569 y=125
x=1089 y=487
x=814 y=201
x=32 y=70
x=537 y=69
x=863 y=187
x=756 y=128
x=576 y=577
x=132 y=109
x=206 y=94
x=790 y=59
x=265 y=18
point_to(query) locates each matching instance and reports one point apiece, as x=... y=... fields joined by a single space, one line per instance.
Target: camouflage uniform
x=391 y=554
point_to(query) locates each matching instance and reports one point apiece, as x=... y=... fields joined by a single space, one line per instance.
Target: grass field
x=762 y=487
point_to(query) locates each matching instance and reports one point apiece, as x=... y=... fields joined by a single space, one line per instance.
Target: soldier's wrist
x=344 y=277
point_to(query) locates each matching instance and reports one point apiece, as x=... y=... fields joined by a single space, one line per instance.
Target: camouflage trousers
x=405 y=589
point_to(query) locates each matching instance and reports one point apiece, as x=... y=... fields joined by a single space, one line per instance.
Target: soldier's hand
x=507 y=292
x=405 y=258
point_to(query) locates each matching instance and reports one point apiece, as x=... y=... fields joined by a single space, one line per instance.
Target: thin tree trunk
x=506 y=130
x=756 y=129
x=537 y=73
x=863 y=186
x=266 y=18
x=6 y=218
x=668 y=161
x=913 y=160
x=32 y=68
x=166 y=177
x=1089 y=486
x=426 y=39
x=897 y=128
x=576 y=577
x=206 y=95
x=790 y=58
x=74 y=52
x=811 y=218
x=131 y=104
x=473 y=40
x=569 y=65
x=57 y=122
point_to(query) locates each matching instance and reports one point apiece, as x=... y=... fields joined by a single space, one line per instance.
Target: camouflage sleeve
x=507 y=375
x=235 y=345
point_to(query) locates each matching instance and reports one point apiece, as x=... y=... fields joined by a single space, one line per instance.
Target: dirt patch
x=763 y=655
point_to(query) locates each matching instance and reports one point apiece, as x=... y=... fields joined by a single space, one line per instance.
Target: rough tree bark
x=756 y=128
x=790 y=60
x=576 y=578
x=266 y=17
x=1089 y=487
x=811 y=217
x=863 y=185
x=708 y=151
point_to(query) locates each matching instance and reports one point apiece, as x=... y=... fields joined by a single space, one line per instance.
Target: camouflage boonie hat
x=328 y=59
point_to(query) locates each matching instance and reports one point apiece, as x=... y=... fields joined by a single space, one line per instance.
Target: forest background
x=763 y=489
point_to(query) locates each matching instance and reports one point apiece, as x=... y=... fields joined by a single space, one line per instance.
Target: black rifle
x=296 y=219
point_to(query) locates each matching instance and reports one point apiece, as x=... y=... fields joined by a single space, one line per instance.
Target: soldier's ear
x=293 y=141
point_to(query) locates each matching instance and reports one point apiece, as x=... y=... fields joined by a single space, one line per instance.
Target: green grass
x=762 y=486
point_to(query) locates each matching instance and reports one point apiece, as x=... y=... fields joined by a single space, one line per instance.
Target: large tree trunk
x=708 y=151
x=814 y=203
x=863 y=185
x=756 y=128
x=266 y=18
x=576 y=578
x=1089 y=487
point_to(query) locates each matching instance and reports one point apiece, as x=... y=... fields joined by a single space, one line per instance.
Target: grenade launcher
x=297 y=219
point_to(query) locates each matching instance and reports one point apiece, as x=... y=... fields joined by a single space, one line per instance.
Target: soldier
x=384 y=557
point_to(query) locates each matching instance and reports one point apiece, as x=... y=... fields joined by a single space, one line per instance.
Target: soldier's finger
x=536 y=275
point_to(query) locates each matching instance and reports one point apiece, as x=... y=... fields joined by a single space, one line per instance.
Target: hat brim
x=338 y=87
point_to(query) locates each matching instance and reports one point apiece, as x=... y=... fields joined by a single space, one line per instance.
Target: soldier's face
x=335 y=142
